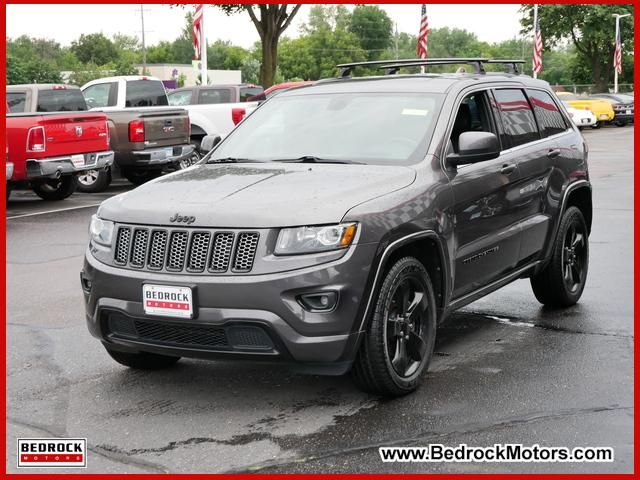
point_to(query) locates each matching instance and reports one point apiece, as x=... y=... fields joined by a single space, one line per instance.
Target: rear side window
x=61 y=100
x=248 y=92
x=215 y=95
x=101 y=95
x=549 y=117
x=180 y=98
x=517 y=117
x=145 y=93
x=16 y=101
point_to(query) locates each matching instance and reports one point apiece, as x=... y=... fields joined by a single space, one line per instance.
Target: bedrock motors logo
x=52 y=452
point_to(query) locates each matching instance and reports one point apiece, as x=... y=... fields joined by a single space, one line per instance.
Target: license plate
x=77 y=160
x=628 y=112
x=168 y=151
x=167 y=301
x=159 y=154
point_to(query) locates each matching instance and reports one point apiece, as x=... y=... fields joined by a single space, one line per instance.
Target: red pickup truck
x=48 y=149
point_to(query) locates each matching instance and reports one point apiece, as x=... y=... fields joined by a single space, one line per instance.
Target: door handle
x=507 y=169
x=553 y=153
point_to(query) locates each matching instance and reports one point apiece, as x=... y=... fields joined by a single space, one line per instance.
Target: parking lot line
x=53 y=211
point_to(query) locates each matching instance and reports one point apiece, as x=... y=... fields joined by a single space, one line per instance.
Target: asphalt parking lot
x=505 y=369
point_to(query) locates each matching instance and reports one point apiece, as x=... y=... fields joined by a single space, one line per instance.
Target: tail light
x=106 y=124
x=237 y=114
x=136 y=131
x=36 y=139
x=189 y=126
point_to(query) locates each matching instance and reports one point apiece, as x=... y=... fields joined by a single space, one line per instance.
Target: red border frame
x=3 y=345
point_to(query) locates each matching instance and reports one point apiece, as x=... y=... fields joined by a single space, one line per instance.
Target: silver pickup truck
x=147 y=136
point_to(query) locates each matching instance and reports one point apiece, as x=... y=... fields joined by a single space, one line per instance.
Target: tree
x=94 y=48
x=270 y=21
x=373 y=27
x=589 y=28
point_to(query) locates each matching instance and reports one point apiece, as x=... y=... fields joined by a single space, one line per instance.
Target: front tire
x=141 y=360
x=94 y=181
x=401 y=334
x=57 y=189
x=562 y=281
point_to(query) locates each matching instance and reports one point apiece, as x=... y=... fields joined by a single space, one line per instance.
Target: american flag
x=537 y=47
x=197 y=32
x=617 y=55
x=422 y=36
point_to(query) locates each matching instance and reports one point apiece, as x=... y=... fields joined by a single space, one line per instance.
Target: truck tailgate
x=165 y=127
x=70 y=133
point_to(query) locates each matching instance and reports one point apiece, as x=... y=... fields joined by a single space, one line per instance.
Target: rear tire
x=138 y=177
x=56 y=189
x=401 y=334
x=596 y=125
x=94 y=181
x=562 y=281
x=142 y=360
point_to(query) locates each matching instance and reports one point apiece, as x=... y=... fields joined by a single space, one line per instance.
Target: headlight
x=298 y=240
x=101 y=231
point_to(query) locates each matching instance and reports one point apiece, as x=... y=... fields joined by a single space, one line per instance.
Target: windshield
x=371 y=128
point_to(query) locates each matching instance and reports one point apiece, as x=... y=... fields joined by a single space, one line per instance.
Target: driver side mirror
x=209 y=142
x=474 y=147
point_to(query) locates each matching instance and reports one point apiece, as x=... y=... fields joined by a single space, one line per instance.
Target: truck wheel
x=57 y=189
x=94 y=181
x=597 y=125
x=138 y=177
x=400 y=337
x=190 y=160
x=9 y=186
x=142 y=360
x=562 y=281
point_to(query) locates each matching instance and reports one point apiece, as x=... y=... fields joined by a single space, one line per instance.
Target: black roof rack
x=513 y=65
x=392 y=66
x=345 y=68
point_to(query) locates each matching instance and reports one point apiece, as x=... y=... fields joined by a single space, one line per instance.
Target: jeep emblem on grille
x=182 y=219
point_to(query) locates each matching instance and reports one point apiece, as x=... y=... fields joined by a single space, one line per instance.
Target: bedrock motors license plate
x=167 y=301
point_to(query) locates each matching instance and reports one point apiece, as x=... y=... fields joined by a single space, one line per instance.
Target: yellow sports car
x=602 y=109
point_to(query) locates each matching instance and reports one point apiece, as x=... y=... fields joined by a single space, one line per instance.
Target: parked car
x=48 y=149
x=622 y=106
x=213 y=94
x=600 y=108
x=582 y=117
x=339 y=223
x=147 y=136
x=277 y=88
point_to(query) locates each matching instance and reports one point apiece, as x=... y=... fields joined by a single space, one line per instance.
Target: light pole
x=615 y=77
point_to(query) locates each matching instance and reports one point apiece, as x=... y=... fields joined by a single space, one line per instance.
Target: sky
x=65 y=22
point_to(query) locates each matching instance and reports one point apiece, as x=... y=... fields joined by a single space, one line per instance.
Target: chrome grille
x=139 y=247
x=185 y=250
x=245 y=251
x=222 y=246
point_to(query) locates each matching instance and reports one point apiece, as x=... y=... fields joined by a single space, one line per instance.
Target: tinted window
x=549 y=117
x=215 y=95
x=145 y=93
x=180 y=98
x=101 y=95
x=472 y=116
x=16 y=101
x=517 y=117
x=62 y=100
x=370 y=128
x=247 y=92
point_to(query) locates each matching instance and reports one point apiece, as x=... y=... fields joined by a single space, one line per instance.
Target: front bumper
x=262 y=307
x=56 y=166
x=9 y=166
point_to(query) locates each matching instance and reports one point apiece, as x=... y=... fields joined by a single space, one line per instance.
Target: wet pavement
x=505 y=370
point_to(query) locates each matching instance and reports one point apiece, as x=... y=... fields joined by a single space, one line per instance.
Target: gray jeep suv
x=338 y=224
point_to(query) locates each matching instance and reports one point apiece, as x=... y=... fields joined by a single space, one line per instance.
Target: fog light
x=86 y=283
x=318 y=301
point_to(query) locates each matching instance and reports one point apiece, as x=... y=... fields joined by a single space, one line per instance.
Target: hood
x=253 y=195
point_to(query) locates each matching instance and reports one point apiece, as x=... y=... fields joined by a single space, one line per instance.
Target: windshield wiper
x=232 y=160
x=314 y=159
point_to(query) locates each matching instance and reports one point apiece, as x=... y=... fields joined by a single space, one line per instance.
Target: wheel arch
x=580 y=197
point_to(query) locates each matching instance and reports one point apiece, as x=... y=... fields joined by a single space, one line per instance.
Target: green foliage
x=591 y=31
x=30 y=70
x=94 y=48
x=373 y=28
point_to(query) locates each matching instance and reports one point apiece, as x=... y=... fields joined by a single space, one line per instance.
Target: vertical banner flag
x=197 y=33
x=617 y=54
x=537 y=43
x=424 y=30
